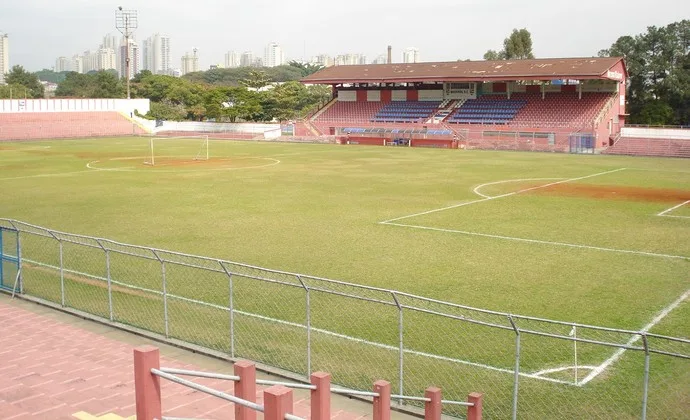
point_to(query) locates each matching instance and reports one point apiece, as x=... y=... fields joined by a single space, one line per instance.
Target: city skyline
x=302 y=34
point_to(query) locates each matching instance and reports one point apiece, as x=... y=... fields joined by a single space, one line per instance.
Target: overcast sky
x=443 y=30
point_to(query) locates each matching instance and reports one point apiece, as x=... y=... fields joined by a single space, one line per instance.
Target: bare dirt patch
x=615 y=192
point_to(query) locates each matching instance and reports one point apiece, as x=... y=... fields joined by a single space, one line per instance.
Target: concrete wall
x=125 y=106
x=656 y=133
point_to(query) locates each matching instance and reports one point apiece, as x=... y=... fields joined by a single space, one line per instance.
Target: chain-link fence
x=526 y=367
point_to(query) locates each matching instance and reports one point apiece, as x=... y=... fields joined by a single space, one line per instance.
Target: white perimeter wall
x=268 y=130
x=655 y=133
x=125 y=106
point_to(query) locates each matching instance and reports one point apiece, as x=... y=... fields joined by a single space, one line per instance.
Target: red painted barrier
x=277 y=403
x=147 y=387
x=382 y=403
x=245 y=388
x=278 y=400
x=321 y=396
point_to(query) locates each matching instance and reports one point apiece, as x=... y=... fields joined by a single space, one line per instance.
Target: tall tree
x=517 y=46
x=305 y=68
x=658 y=63
x=256 y=79
x=20 y=77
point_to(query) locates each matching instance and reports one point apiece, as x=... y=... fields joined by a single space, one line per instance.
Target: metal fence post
x=107 y=277
x=646 y=376
x=516 y=378
x=62 y=276
x=19 y=265
x=401 y=347
x=165 y=294
x=231 y=308
x=308 y=323
x=110 y=286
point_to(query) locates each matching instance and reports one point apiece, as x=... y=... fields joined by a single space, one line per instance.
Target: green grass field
x=564 y=237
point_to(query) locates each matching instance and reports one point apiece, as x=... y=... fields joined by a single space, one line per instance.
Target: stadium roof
x=473 y=71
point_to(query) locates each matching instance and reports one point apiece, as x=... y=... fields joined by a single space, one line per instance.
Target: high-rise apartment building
x=156 y=54
x=106 y=59
x=273 y=55
x=322 y=60
x=350 y=59
x=77 y=63
x=63 y=64
x=4 y=57
x=232 y=59
x=134 y=58
x=247 y=59
x=190 y=63
x=411 y=55
x=381 y=59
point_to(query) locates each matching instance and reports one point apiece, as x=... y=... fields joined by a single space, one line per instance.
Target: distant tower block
x=390 y=54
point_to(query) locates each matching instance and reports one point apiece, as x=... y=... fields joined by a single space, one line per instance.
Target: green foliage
x=20 y=77
x=492 y=55
x=47 y=75
x=167 y=111
x=101 y=84
x=235 y=76
x=256 y=79
x=517 y=46
x=305 y=68
x=658 y=63
x=12 y=91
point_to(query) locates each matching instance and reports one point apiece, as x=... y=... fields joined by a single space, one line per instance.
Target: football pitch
x=599 y=240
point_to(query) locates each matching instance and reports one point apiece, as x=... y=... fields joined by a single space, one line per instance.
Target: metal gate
x=9 y=260
x=581 y=143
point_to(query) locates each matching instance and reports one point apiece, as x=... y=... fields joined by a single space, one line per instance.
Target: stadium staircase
x=444 y=110
x=323 y=109
x=634 y=146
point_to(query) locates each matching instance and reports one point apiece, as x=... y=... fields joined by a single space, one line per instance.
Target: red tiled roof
x=506 y=70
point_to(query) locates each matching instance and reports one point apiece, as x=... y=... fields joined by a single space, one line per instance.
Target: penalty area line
x=539 y=241
x=618 y=353
x=467 y=203
x=663 y=213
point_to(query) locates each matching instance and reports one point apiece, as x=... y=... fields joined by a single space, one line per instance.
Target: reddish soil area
x=615 y=192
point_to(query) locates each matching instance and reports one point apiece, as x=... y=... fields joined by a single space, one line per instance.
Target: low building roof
x=473 y=71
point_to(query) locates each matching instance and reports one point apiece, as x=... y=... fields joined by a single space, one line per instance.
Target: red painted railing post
x=245 y=388
x=147 y=386
x=277 y=402
x=432 y=409
x=382 y=403
x=475 y=412
x=321 y=396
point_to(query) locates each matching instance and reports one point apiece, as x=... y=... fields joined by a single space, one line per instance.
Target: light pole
x=126 y=22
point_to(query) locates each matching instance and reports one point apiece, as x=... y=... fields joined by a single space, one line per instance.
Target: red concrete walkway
x=54 y=365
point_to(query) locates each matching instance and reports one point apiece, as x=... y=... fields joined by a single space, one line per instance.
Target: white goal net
x=177 y=150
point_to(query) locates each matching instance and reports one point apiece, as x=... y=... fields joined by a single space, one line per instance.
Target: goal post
x=177 y=149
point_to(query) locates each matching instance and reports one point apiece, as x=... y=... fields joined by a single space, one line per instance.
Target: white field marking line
x=561 y=369
x=635 y=338
x=302 y=326
x=539 y=241
x=476 y=190
x=134 y=169
x=43 y=175
x=467 y=203
x=678 y=217
x=673 y=208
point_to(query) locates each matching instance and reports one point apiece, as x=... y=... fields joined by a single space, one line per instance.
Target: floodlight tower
x=126 y=22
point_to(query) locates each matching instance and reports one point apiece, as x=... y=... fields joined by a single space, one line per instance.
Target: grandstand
x=540 y=104
x=25 y=119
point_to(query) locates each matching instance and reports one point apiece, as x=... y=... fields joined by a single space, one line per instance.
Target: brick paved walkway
x=54 y=365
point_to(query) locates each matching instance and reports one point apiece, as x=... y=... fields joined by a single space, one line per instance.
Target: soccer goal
x=177 y=150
